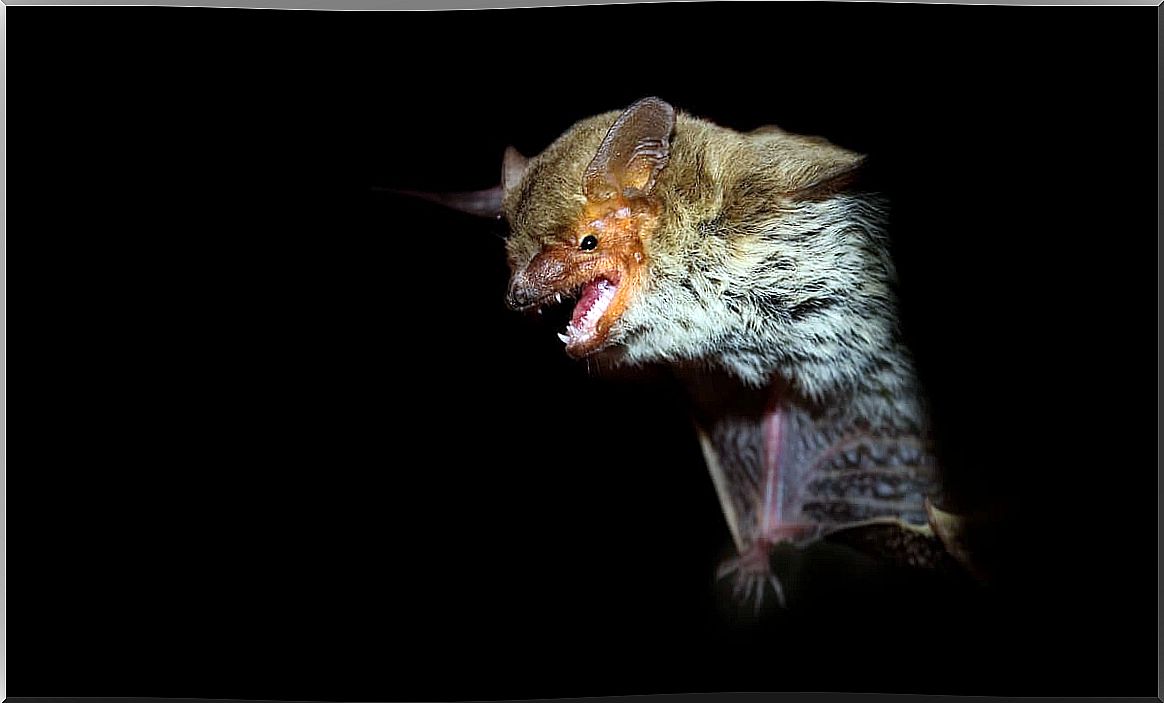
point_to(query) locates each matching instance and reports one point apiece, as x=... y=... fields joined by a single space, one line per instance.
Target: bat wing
x=782 y=475
x=733 y=473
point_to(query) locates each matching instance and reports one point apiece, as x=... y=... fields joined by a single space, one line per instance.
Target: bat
x=756 y=269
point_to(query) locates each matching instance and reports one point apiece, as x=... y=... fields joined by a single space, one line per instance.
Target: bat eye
x=589 y=242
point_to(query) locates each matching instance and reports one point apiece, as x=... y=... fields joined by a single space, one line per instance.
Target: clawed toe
x=752 y=577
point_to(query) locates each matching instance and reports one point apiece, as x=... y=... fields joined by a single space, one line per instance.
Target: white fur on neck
x=805 y=296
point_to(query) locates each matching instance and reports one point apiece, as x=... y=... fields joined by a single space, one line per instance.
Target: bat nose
x=520 y=295
x=517 y=299
x=535 y=281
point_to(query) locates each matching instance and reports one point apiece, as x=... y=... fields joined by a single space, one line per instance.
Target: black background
x=274 y=433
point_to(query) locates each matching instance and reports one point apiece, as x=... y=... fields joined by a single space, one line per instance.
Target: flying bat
x=756 y=269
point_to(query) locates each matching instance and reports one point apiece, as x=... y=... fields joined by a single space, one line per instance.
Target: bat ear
x=806 y=167
x=513 y=166
x=633 y=153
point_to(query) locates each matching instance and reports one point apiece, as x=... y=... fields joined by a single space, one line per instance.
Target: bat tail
x=480 y=203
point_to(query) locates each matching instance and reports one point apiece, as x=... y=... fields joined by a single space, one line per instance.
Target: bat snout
x=536 y=282
x=519 y=297
x=524 y=293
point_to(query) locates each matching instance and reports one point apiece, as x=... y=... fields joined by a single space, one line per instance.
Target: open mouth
x=591 y=317
x=593 y=303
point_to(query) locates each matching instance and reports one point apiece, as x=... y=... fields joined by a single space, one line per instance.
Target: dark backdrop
x=274 y=433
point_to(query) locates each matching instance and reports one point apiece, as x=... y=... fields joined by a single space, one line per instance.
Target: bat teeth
x=564 y=338
x=558 y=297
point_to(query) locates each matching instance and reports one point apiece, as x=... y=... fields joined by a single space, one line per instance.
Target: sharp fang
x=558 y=296
x=564 y=338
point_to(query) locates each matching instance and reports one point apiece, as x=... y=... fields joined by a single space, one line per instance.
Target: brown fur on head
x=587 y=209
x=741 y=250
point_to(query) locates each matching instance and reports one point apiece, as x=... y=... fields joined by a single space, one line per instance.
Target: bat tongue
x=594 y=301
x=591 y=292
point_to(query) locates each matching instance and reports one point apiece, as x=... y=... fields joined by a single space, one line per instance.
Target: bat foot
x=752 y=576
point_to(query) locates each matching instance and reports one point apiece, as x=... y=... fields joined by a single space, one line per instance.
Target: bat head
x=581 y=217
x=678 y=240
